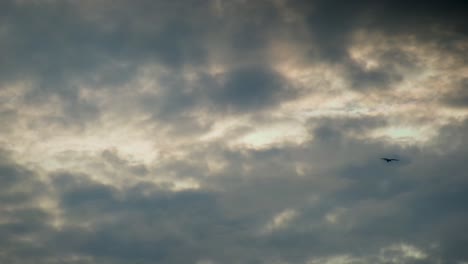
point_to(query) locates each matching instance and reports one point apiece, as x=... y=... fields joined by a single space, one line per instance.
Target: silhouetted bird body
x=389 y=160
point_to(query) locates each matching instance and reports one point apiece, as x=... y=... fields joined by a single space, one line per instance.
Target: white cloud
x=280 y=221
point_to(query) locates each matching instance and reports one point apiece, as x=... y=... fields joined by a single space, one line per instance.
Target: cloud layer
x=233 y=132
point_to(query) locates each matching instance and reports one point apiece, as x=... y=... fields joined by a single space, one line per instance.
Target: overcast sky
x=233 y=131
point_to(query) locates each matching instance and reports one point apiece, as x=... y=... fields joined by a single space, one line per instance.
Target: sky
x=233 y=131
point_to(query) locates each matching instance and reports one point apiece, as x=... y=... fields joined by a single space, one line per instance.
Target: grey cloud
x=24 y=224
x=398 y=210
x=458 y=97
x=250 y=88
x=331 y=25
x=394 y=64
x=418 y=203
x=411 y=17
x=57 y=56
x=332 y=22
x=161 y=226
x=19 y=184
x=242 y=90
x=80 y=49
x=113 y=158
x=419 y=194
x=325 y=128
x=62 y=46
x=383 y=78
x=347 y=201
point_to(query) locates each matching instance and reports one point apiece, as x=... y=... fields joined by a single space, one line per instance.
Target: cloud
x=251 y=88
x=232 y=132
x=24 y=222
x=279 y=221
x=332 y=23
x=147 y=222
x=458 y=98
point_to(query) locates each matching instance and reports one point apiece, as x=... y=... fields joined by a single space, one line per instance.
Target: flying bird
x=389 y=160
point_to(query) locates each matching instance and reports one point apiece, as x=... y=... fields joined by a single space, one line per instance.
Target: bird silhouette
x=389 y=160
